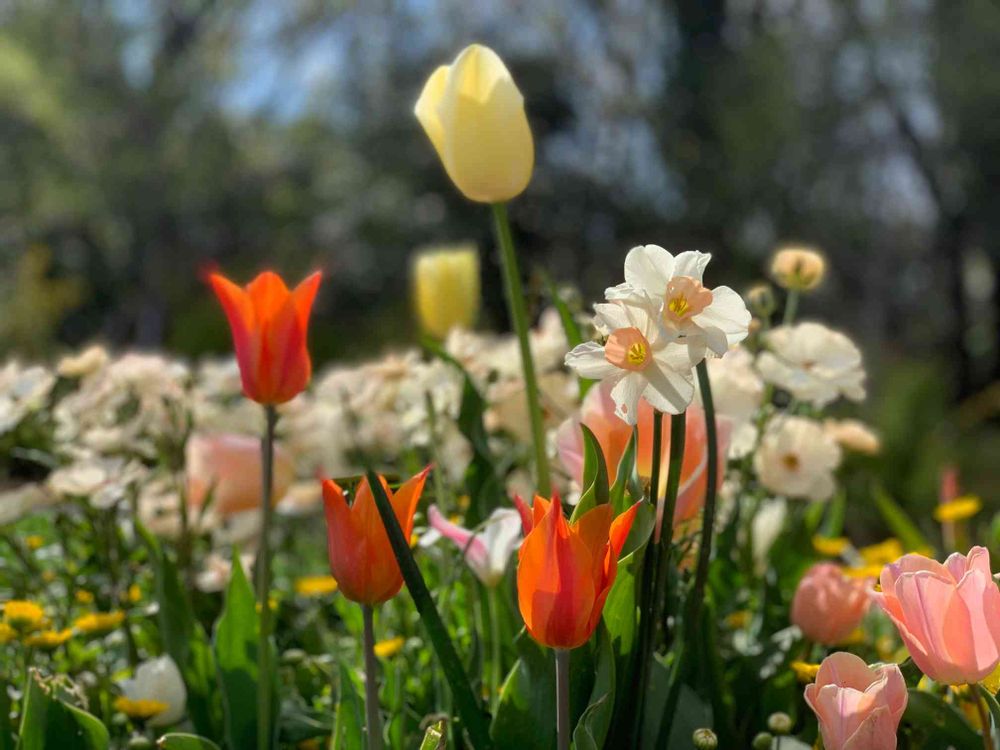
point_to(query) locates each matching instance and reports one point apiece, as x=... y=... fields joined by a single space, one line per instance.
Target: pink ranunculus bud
x=828 y=606
x=228 y=466
x=858 y=707
x=948 y=615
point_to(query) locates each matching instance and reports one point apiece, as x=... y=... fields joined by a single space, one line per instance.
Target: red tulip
x=269 y=325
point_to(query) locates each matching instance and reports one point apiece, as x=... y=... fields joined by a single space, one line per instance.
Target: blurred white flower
x=302 y=499
x=854 y=435
x=702 y=318
x=217 y=569
x=158 y=680
x=637 y=358
x=104 y=482
x=23 y=499
x=813 y=363
x=737 y=392
x=767 y=525
x=23 y=391
x=89 y=360
x=487 y=549
x=797 y=458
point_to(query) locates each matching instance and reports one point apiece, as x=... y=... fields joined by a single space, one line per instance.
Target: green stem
x=264 y=679
x=496 y=653
x=678 y=433
x=791 y=307
x=374 y=719
x=519 y=318
x=563 y=729
x=984 y=716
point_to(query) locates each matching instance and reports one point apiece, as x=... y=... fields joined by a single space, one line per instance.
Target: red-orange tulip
x=361 y=558
x=269 y=325
x=565 y=571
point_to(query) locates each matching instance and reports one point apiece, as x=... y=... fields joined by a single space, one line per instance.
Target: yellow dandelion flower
x=830 y=546
x=388 y=648
x=23 y=615
x=882 y=553
x=99 y=623
x=7 y=633
x=315 y=586
x=804 y=671
x=959 y=509
x=83 y=596
x=34 y=541
x=134 y=594
x=992 y=681
x=739 y=619
x=48 y=640
x=139 y=709
x=863 y=571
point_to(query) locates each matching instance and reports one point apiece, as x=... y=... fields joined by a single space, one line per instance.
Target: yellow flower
x=804 y=671
x=34 y=541
x=7 y=633
x=739 y=619
x=864 y=571
x=139 y=709
x=992 y=681
x=798 y=268
x=48 y=576
x=23 y=615
x=99 y=623
x=473 y=113
x=959 y=509
x=390 y=647
x=272 y=603
x=830 y=546
x=48 y=639
x=446 y=289
x=315 y=585
x=83 y=596
x=853 y=638
x=134 y=594
x=464 y=501
x=882 y=553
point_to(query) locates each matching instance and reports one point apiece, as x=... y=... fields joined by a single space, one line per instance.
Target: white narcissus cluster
x=158 y=680
x=796 y=458
x=23 y=391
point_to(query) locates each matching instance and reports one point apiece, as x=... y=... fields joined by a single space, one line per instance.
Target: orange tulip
x=565 y=571
x=269 y=325
x=361 y=558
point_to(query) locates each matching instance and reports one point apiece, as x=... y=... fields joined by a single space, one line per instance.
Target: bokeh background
x=141 y=142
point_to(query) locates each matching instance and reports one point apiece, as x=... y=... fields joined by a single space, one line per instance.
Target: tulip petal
x=427 y=106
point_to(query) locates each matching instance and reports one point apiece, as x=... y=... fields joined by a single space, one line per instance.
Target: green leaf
x=235 y=641
x=994 y=707
x=911 y=673
x=177 y=741
x=595 y=475
x=434 y=737
x=184 y=639
x=626 y=468
x=349 y=724
x=938 y=724
x=592 y=728
x=48 y=722
x=898 y=521
x=469 y=708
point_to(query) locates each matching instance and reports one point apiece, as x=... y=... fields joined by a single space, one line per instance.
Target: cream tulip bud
x=446 y=291
x=798 y=268
x=473 y=113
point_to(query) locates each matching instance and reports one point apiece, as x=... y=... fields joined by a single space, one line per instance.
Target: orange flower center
x=791 y=461
x=685 y=298
x=628 y=349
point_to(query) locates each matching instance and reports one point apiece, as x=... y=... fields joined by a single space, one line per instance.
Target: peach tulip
x=565 y=571
x=828 y=606
x=228 y=467
x=598 y=413
x=361 y=557
x=269 y=325
x=858 y=707
x=948 y=615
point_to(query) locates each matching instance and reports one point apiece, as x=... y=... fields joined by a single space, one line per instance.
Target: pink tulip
x=858 y=707
x=228 y=466
x=598 y=413
x=828 y=606
x=486 y=551
x=947 y=615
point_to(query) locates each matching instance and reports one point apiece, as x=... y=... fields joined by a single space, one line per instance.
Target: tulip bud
x=762 y=741
x=473 y=113
x=798 y=268
x=446 y=290
x=760 y=297
x=779 y=723
x=704 y=739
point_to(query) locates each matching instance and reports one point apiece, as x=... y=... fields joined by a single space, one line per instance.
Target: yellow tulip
x=446 y=288
x=473 y=113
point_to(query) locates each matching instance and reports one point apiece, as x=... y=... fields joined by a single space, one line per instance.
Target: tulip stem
x=496 y=668
x=519 y=318
x=374 y=719
x=562 y=698
x=264 y=677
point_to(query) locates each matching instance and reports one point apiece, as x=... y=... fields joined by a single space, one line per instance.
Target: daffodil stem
x=374 y=719
x=519 y=318
x=264 y=677
x=562 y=698
x=678 y=432
x=791 y=307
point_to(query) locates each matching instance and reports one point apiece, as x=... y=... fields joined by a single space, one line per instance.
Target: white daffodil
x=637 y=357
x=158 y=680
x=813 y=363
x=797 y=458
x=738 y=392
x=488 y=550
x=702 y=318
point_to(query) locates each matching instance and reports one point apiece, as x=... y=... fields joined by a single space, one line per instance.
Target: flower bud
x=763 y=741
x=780 y=723
x=704 y=739
x=760 y=298
x=798 y=268
x=446 y=291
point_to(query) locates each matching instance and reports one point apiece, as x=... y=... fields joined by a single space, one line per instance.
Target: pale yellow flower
x=315 y=586
x=959 y=509
x=390 y=647
x=446 y=289
x=798 y=268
